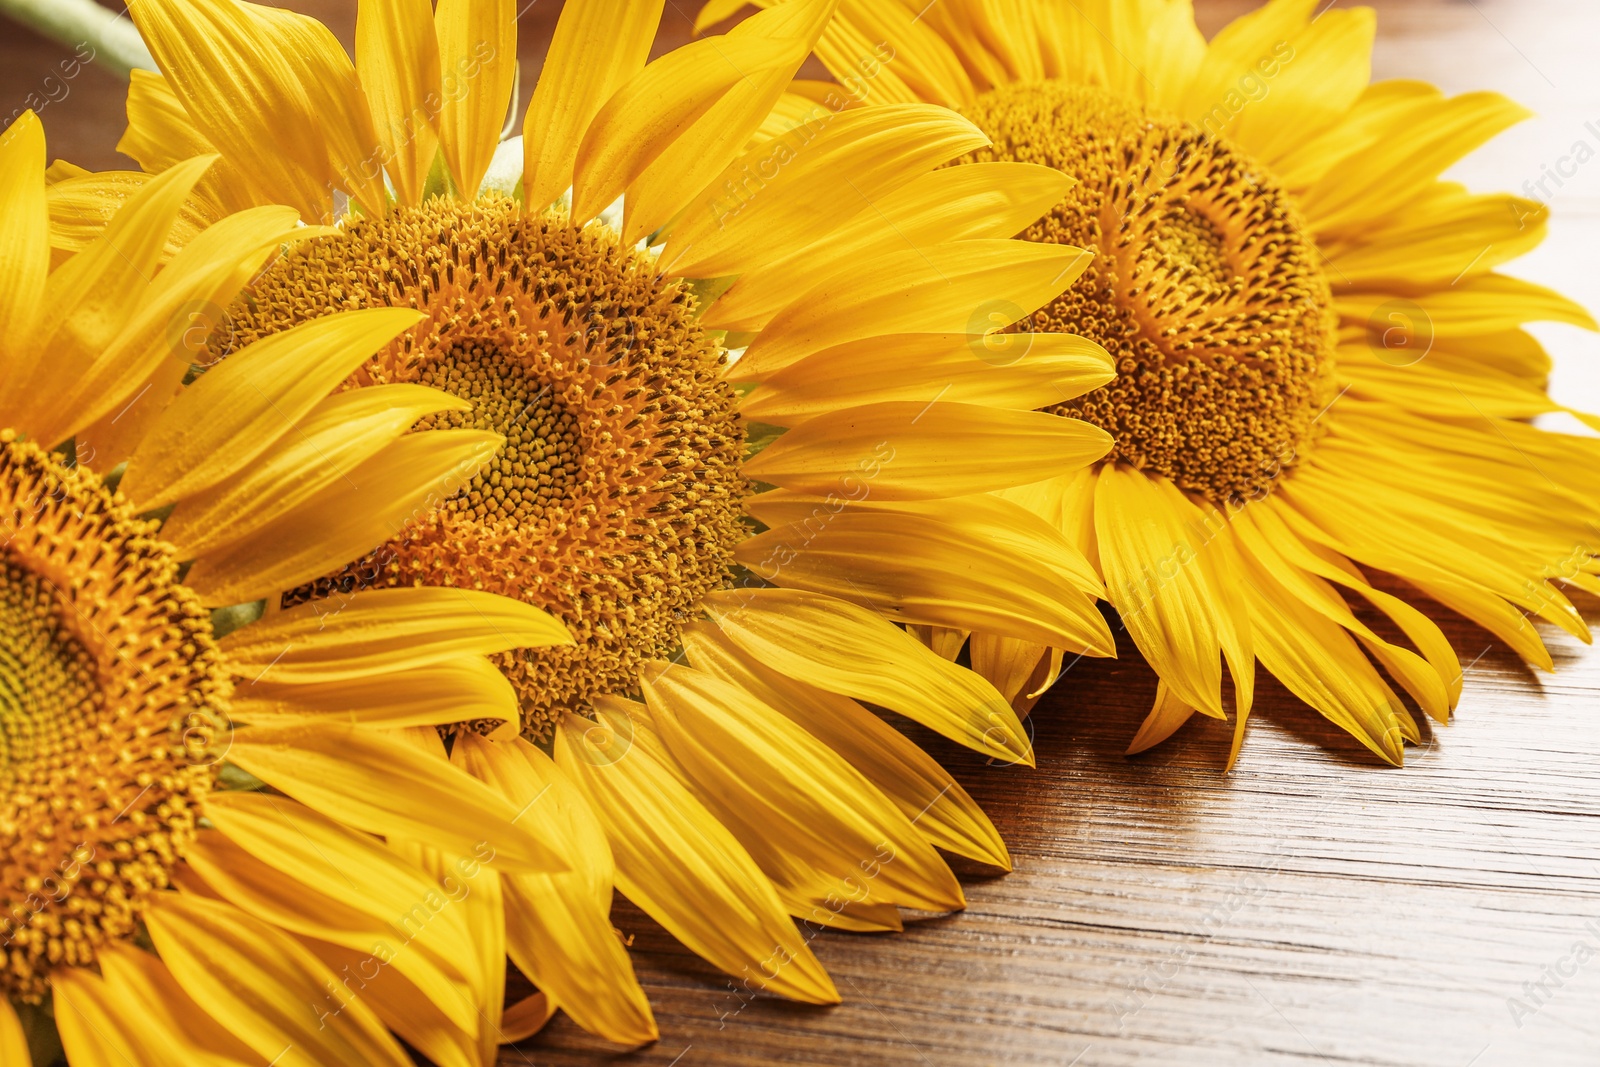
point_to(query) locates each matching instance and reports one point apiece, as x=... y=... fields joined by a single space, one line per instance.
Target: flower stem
x=115 y=42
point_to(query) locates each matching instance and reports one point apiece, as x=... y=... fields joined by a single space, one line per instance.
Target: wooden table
x=1310 y=906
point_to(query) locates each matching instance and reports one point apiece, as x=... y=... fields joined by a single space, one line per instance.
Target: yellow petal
x=597 y=47
x=1490 y=303
x=944 y=288
x=397 y=60
x=925 y=792
x=182 y=312
x=1319 y=663
x=1437 y=241
x=274 y=896
x=1157 y=553
x=1163 y=721
x=906 y=450
x=346 y=520
x=373 y=782
x=402 y=1006
x=558 y=927
x=13 y=1039
x=94 y=1024
x=328 y=858
x=948 y=563
x=91 y=299
x=466 y=689
x=772 y=783
x=971 y=202
x=478 y=68
x=322 y=453
x=526 y=1017
x=848 y=650
x=82 y=208
x=1392 y=172
x=768 y=201
x=1021 y=371
x=275 y=92
x=160 y=134
x=176 y=1024
x=265 y=988
x=1331 y=67
x=24 y=241
x=234 y=413
x=656 y=106
x=381 y=631
x=685 y=869
x=698 y=154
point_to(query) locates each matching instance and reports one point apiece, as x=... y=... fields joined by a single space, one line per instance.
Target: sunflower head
x=1204 y=286
x=111 y=688
x=615 y=501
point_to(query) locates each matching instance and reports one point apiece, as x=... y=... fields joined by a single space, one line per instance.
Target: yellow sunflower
x=175 y=888
x=1321 y=373
x=604 y=292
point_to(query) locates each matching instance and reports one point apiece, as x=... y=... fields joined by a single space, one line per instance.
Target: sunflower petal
x=181 y=314
x=698 y=154
x=794 y=792
x=380 y=631
x=91 y=298
x=925 y=792
x=655 y=107
x=397 y=60
x=947 y=563
x=972 y=202
x=597 y=48
x=333 y=439
x=276 y=93
x=259 y=984
x=342 y=523
x=684 y=868
x=849 y=650
x=371 y=781
x=478 y=61
x=768 y=200
x=558 y=929
x=288 y=903
x=910 y=450
x=1165 y=717
x=1020 y=371
x=1155 y=552
x=235 y=412
x=13 y=1039
x=466 y=689
x=24 y=241
x=944 y=288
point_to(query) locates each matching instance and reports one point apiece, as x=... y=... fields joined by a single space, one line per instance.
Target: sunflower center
x=616 y=500
x=1204 y=287
x=110 y=691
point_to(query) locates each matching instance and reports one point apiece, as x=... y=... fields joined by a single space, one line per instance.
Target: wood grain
x=1310 y=906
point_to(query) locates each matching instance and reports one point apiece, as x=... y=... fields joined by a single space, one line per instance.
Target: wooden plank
x=1311 y=905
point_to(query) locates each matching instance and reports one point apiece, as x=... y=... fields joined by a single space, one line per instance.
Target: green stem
x=76 y=23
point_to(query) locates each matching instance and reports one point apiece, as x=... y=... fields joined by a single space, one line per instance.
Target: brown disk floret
x=616 y=501
x=1204 y=287
x=111 y=693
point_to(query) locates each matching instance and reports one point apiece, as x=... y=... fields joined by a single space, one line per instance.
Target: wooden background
x=1310 y=906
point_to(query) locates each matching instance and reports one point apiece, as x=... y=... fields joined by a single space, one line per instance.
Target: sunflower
x=657 y=262
x=191 y=797
x=1322 y=375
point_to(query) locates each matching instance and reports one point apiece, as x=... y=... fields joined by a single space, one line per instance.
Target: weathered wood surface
x=1311 y=905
